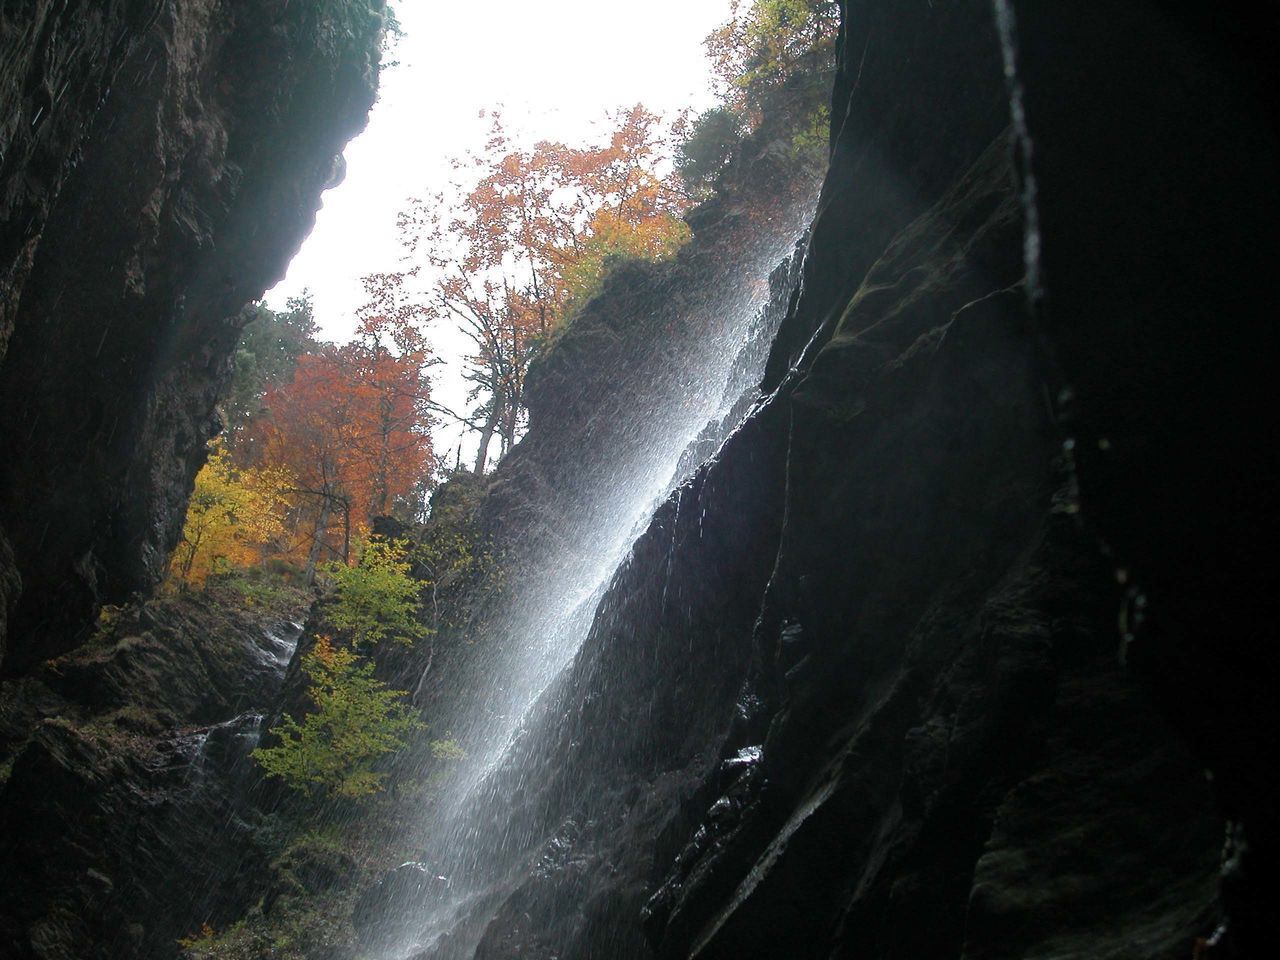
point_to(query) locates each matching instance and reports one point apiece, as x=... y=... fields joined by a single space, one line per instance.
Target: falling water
x=545 y=623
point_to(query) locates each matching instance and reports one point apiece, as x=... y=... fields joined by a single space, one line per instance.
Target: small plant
x=356 y=721
x=447 y=750
x=377 y=598
x=200 y=939
x=259 y=588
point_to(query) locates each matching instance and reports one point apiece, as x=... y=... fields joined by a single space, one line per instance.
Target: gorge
x=914 y=606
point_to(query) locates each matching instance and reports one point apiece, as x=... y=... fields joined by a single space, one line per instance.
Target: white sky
x=554 y=65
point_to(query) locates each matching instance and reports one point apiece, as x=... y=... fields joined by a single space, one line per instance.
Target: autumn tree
x=234 y=516
x=388 y=362
x=633 y=204
x=510 y=256
x=353 y=425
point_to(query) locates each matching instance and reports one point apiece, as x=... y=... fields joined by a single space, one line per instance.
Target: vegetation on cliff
x=772 y=59
x=322 y=438
x=355 y=721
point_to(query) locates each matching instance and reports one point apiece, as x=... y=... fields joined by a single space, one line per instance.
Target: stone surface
x=162 y=161
x=124 y=782
x=1156 y=213
x=859 y=690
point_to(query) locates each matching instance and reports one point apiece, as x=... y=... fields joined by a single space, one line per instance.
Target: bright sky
x=554 y=65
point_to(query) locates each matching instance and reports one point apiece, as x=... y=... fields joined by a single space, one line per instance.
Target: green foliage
x=262 y=588
x=448 y=750
x=356 y=721
x=453 y=557
x=809 y=144
x=768 y=44
x=707 y=150
x=772 y=58
x=377 y=598
x=266 y=355
x=320 y=927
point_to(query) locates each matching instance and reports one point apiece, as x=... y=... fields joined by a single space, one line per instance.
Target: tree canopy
x=509 y=255
x=353 y=425
x=235 y=515
x=377 y=598
x=270 y=344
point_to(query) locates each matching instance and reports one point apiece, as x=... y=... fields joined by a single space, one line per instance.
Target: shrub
x=356 y=720
x=377 y=598
x=708 y=148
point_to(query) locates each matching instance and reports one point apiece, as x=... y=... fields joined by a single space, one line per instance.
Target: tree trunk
x=382 y=483
x=313 y=556
x=346 y=530
x=486 y=435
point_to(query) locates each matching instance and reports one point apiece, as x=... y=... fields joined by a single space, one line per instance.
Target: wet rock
x=1176 y=195
x=195 y=659
x=128 y=771
x=306 y=870
x=119 y=294
x=954 y=762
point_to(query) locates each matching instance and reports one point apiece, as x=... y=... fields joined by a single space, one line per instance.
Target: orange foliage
x=528 y=241
x=352 y=426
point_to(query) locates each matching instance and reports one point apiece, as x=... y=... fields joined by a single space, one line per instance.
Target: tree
x=356 y=721
x=509 y=257
x=707 y=149
x=307 y=427
x=635 y=207
x=353 y=425
x=771 y=51
x=233 y=515
x=388 y=361
x=377 y=597
x=270 y=344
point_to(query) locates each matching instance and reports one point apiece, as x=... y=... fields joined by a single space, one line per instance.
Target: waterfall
x=439 y=906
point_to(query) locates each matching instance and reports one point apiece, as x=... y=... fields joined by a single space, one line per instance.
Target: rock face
x=1155 y=325
x=859 y=689
x=611 y=404
x=160 y=161
x=124 y=769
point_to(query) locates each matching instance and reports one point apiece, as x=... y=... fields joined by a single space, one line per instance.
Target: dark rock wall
x=161 y=162
x=1156 y=213
x=612 y=386
x=859 y=690
x=125 y=776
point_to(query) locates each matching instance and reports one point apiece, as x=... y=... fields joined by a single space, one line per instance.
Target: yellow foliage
x=614 y=235
x=356 y=721
x=233 y=515
x=206 y=934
